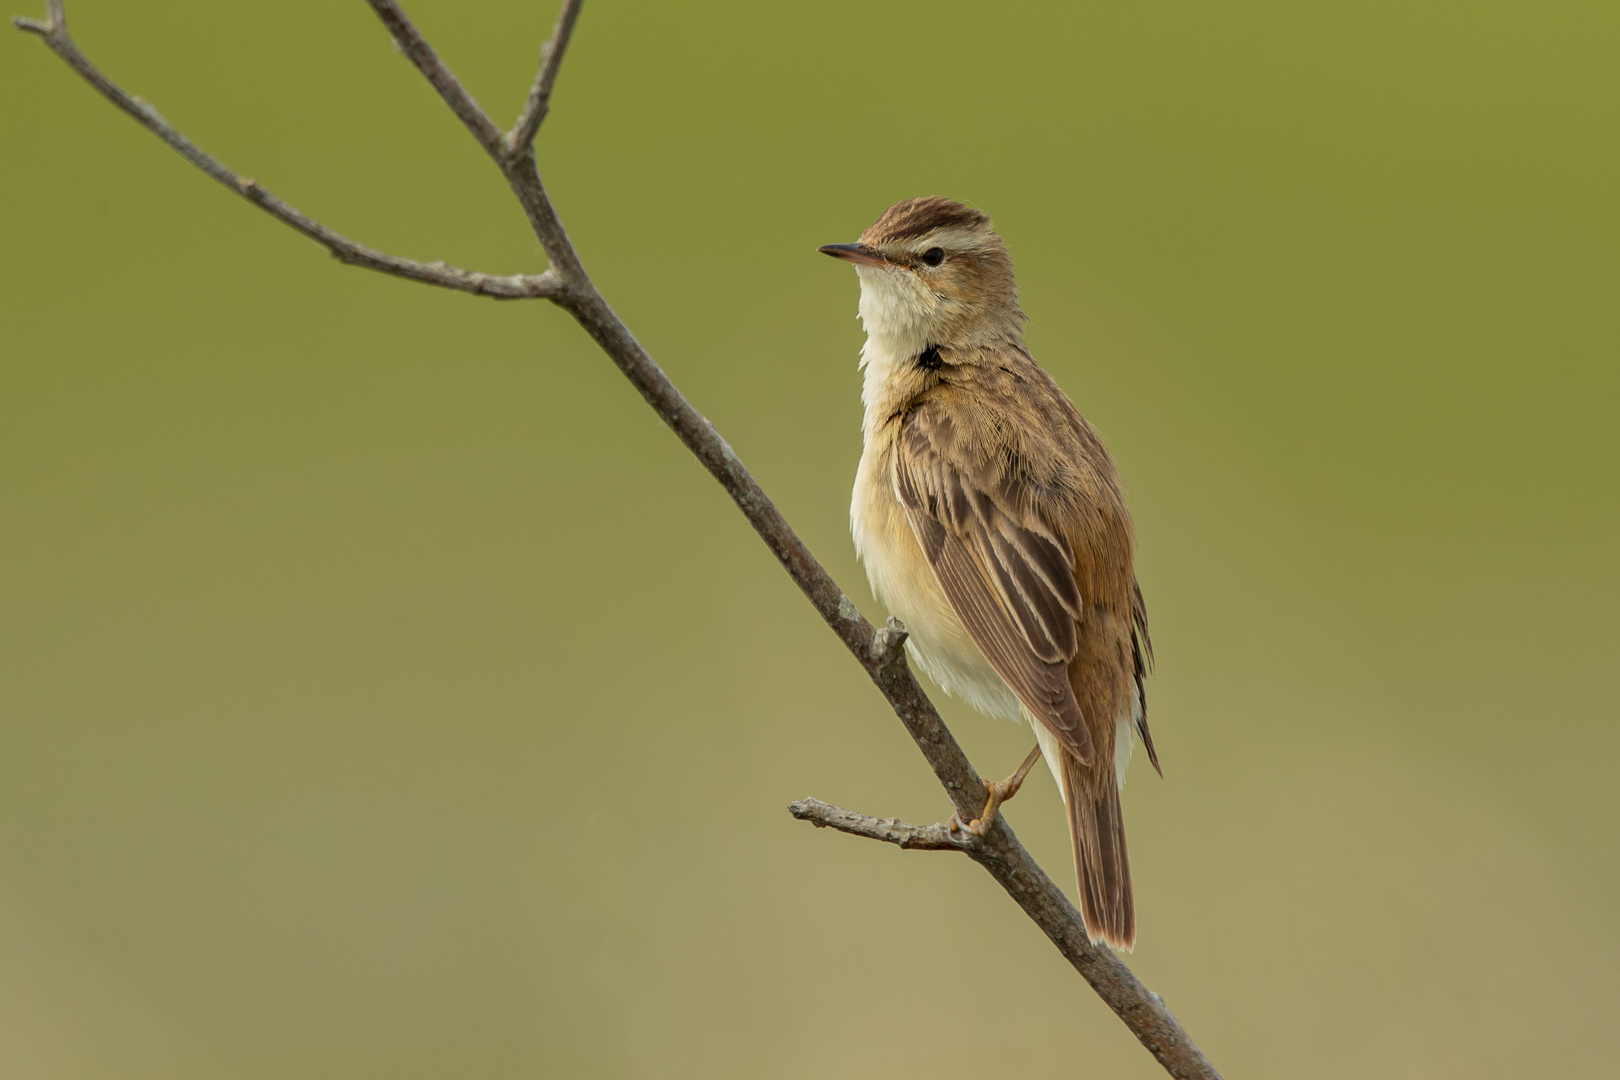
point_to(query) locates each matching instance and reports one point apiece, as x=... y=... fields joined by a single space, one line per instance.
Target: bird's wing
x=1009 y=578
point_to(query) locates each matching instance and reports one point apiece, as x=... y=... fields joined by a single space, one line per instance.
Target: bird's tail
x=1102 y=865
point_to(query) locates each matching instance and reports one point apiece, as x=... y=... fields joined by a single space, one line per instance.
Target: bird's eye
x=934 y=256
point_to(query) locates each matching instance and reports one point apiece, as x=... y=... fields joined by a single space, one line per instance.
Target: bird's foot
x=996 y=793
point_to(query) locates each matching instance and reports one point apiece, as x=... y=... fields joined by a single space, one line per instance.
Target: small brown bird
x=990 y=520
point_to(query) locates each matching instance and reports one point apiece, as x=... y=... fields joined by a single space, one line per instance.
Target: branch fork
x=881 y=652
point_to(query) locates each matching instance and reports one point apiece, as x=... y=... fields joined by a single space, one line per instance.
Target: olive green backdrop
x=384 y=693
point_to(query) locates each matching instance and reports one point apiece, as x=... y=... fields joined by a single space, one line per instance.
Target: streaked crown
x=934 y=270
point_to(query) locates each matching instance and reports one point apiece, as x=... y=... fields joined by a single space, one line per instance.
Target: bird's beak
x=859 y=254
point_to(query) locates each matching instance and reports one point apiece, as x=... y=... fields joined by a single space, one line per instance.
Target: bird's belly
x=900 y=575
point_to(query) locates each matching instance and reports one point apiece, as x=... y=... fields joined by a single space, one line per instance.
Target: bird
x=991 y=520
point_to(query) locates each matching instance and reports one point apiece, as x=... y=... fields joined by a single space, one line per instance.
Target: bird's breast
x=902 y=579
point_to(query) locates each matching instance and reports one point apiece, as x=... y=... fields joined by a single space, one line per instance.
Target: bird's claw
x=979 y=826
x=995 y=793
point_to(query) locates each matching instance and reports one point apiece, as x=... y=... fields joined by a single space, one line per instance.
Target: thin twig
x=880 y=652
x=508 y=287
x=934 y=837
x=420 y=53
x=538 y=103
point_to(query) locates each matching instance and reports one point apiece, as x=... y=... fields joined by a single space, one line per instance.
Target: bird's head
x=933 y=272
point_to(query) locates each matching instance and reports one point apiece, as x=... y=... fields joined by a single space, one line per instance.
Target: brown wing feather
x=1010 y=582
x=1141 y=664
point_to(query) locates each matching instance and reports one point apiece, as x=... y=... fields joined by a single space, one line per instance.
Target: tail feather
x=1102 y=864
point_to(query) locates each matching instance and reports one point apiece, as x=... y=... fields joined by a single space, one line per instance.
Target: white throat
x=897 y=314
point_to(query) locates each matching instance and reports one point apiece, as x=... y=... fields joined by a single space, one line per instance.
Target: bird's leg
x=999 y=792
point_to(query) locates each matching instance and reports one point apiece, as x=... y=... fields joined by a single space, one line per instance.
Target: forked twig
x=506 y=287
x=880 y=652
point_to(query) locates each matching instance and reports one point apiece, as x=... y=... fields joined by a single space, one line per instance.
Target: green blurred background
x=384 y=693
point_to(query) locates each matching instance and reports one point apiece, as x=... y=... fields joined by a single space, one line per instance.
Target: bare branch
x=508 y=287
x=1011 y=865
x=419 y=52
x=880 y=652
x=1143 y=1011
x=1000 y=853
x=934 y=837
x=521 y=137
